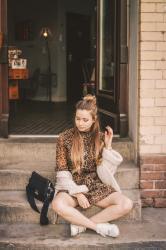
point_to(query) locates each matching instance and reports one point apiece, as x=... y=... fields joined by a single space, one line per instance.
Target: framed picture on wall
x=24 y=30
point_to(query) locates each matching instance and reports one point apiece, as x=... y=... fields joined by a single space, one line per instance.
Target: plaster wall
x=133 y=45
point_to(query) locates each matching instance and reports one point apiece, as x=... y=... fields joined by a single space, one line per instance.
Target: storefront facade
x=135 y=101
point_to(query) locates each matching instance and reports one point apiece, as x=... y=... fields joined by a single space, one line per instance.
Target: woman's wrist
x=77 y=195
x=109 y=147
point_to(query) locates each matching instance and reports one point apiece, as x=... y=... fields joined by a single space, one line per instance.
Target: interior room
x=51 y=56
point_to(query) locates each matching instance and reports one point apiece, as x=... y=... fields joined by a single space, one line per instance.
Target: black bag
x=43 y=190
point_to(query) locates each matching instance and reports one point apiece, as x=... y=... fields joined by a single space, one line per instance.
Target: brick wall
x=153 y=180
x=152 y=127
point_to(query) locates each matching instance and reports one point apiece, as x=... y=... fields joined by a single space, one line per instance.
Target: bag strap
x=31 y=199
x=43 y=216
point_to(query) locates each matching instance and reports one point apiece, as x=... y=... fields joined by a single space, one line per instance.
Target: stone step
x=15 y=175
x=145 y=234
x=14 y=208
x=31 y=150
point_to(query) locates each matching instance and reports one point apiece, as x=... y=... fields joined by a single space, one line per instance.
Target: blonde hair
x=87 y=103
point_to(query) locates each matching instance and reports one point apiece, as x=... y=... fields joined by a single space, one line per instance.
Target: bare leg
x=64 y=205
x=116 y=205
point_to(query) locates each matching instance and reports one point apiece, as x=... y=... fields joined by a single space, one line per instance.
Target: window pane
x=107 y=46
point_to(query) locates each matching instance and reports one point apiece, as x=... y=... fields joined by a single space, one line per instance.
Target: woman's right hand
x=108 y=137
x=82 y=200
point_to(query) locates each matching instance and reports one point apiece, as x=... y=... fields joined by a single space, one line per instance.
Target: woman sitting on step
x=85 y=165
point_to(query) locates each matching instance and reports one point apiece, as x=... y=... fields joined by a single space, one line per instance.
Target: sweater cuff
x=79 y=189
x=112 y=156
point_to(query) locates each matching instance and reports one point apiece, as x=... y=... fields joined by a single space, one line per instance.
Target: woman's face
x=83 y=120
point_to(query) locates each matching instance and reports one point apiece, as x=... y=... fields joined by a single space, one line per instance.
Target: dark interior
x=56 y=40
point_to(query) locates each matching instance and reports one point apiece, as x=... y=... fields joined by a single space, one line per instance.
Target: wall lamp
x=45 y=32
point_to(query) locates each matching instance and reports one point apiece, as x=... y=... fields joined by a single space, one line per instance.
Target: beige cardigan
x=111 y=159
x=106 y=170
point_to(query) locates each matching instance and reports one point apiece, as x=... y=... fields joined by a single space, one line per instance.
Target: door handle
x=70 y=57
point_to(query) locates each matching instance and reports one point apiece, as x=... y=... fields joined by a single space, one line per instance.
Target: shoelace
x=75 y=229
x=106 y=229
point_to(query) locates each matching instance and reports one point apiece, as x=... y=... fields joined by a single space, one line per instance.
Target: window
x=107 y=51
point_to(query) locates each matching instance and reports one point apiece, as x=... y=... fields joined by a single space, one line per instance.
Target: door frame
x=4 y=104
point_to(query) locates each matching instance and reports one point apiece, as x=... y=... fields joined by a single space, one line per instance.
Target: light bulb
x=45 y=34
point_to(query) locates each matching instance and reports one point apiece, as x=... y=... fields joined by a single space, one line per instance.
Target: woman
x=81 y=152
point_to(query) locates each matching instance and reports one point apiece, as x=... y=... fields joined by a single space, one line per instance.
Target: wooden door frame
x=123 y=79
x=4 y=105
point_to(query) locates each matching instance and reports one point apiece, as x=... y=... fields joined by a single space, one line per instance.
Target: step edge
x=50 y=139
x=24 y=203
x=49 y=171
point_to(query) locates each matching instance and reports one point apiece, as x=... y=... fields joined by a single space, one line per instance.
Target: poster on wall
x=24 y=30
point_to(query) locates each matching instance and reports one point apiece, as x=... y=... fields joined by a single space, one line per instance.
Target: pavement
x=149 y=233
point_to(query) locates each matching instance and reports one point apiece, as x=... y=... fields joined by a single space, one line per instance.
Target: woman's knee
x=59 y=203
x=126 y=204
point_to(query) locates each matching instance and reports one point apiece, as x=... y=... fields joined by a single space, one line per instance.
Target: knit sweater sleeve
x=112 y=159
x=64 y=181
x=107 y=168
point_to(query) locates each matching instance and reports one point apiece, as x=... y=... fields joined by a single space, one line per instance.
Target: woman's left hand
x=82 y=200
x=108 y=137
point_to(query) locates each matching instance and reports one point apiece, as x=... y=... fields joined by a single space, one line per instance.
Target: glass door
x=108 y=63
x=107 y=50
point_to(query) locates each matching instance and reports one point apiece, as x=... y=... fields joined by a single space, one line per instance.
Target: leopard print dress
x=87 y=175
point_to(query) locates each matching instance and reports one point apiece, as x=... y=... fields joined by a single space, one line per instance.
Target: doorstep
x=146 y=234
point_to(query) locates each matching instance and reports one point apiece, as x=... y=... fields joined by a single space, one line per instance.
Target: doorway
x=108 y=48
x=78 y=51
x=71 y=29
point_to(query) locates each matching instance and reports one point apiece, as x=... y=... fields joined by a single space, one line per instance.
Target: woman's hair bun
x=91 y=98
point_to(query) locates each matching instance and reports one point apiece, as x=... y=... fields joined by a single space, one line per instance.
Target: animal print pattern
x=87 y=175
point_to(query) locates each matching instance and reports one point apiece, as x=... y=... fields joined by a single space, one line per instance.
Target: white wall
x=64 y=6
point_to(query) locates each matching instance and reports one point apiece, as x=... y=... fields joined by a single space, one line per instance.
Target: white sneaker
x=107 y=229
x=75 y=229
